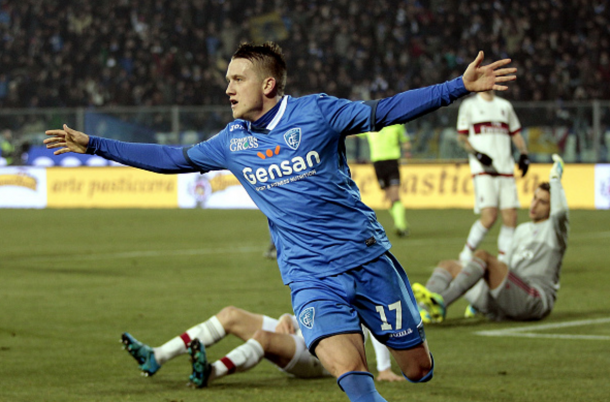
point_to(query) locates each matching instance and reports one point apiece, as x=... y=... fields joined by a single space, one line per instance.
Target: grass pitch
x=71 y=281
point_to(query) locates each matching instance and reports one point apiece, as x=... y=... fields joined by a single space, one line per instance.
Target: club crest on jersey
x=306 y=317
x=293 y=138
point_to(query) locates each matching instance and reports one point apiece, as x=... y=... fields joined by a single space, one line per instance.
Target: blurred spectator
x=118 y=52
x=7 y=147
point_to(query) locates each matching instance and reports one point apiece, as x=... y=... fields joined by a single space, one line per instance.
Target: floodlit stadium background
x=93 y=250
x=154 y=72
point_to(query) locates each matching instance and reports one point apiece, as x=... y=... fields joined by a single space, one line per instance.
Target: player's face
x=540 y=207
x=245 y=90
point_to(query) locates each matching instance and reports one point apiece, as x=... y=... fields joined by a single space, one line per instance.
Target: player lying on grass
x=289 y=155
x=279 y=341
x=526 y=288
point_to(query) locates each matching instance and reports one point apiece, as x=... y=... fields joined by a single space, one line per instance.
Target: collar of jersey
x=270 y=119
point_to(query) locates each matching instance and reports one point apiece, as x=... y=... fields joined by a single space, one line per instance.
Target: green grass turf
x=71 y=281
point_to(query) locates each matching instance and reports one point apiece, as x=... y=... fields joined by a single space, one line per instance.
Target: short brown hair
x=268 y=58
x=545 y=186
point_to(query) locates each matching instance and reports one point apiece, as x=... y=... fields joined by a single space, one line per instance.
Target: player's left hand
x=478 y=78
x=388 y=375
x=67 y=140
x=524 y=164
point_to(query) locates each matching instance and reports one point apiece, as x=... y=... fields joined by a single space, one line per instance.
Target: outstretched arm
x=414 y=103
x=152 y=157
x=347 y=117
x=559 y=203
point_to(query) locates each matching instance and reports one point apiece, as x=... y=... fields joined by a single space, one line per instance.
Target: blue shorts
x=376 y=294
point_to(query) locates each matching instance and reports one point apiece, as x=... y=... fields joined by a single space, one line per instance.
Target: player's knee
x=446 y=264
x=393 y=197
x=420 y=373
x=509 y=217
x=489 y=217
x=451 y=266
x=229 y=316
x=263 y=337
x=482 y=254
x=417 y=374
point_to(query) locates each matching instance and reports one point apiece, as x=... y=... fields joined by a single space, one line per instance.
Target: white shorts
x=514 y=299
x=495 y=192
x=303 y=363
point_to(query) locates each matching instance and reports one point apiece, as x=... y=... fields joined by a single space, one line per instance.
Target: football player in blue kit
x=289 y=154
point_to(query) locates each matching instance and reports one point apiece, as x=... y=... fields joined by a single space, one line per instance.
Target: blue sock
x=427 y=377
x=359 y=387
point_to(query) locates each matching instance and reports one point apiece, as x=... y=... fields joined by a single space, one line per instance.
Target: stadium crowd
x=161 y=52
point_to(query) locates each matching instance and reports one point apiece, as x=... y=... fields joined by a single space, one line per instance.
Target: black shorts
x=387 y=173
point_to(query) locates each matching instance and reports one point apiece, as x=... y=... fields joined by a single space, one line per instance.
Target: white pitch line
x=550 y=336
x=554 y=325
x=525 y=331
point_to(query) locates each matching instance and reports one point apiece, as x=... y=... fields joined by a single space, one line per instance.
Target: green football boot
x=432 y=302
x=144 y=354
x=201 y=368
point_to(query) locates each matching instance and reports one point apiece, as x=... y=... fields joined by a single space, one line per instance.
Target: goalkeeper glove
x=557 y=169
x=524 y=164
x=483 y=158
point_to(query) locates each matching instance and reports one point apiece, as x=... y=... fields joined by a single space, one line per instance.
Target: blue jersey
x=295 y=169
x=296 y=172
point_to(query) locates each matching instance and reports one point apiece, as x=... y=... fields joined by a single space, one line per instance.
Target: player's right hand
x=67 y=140
x=483 y=158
